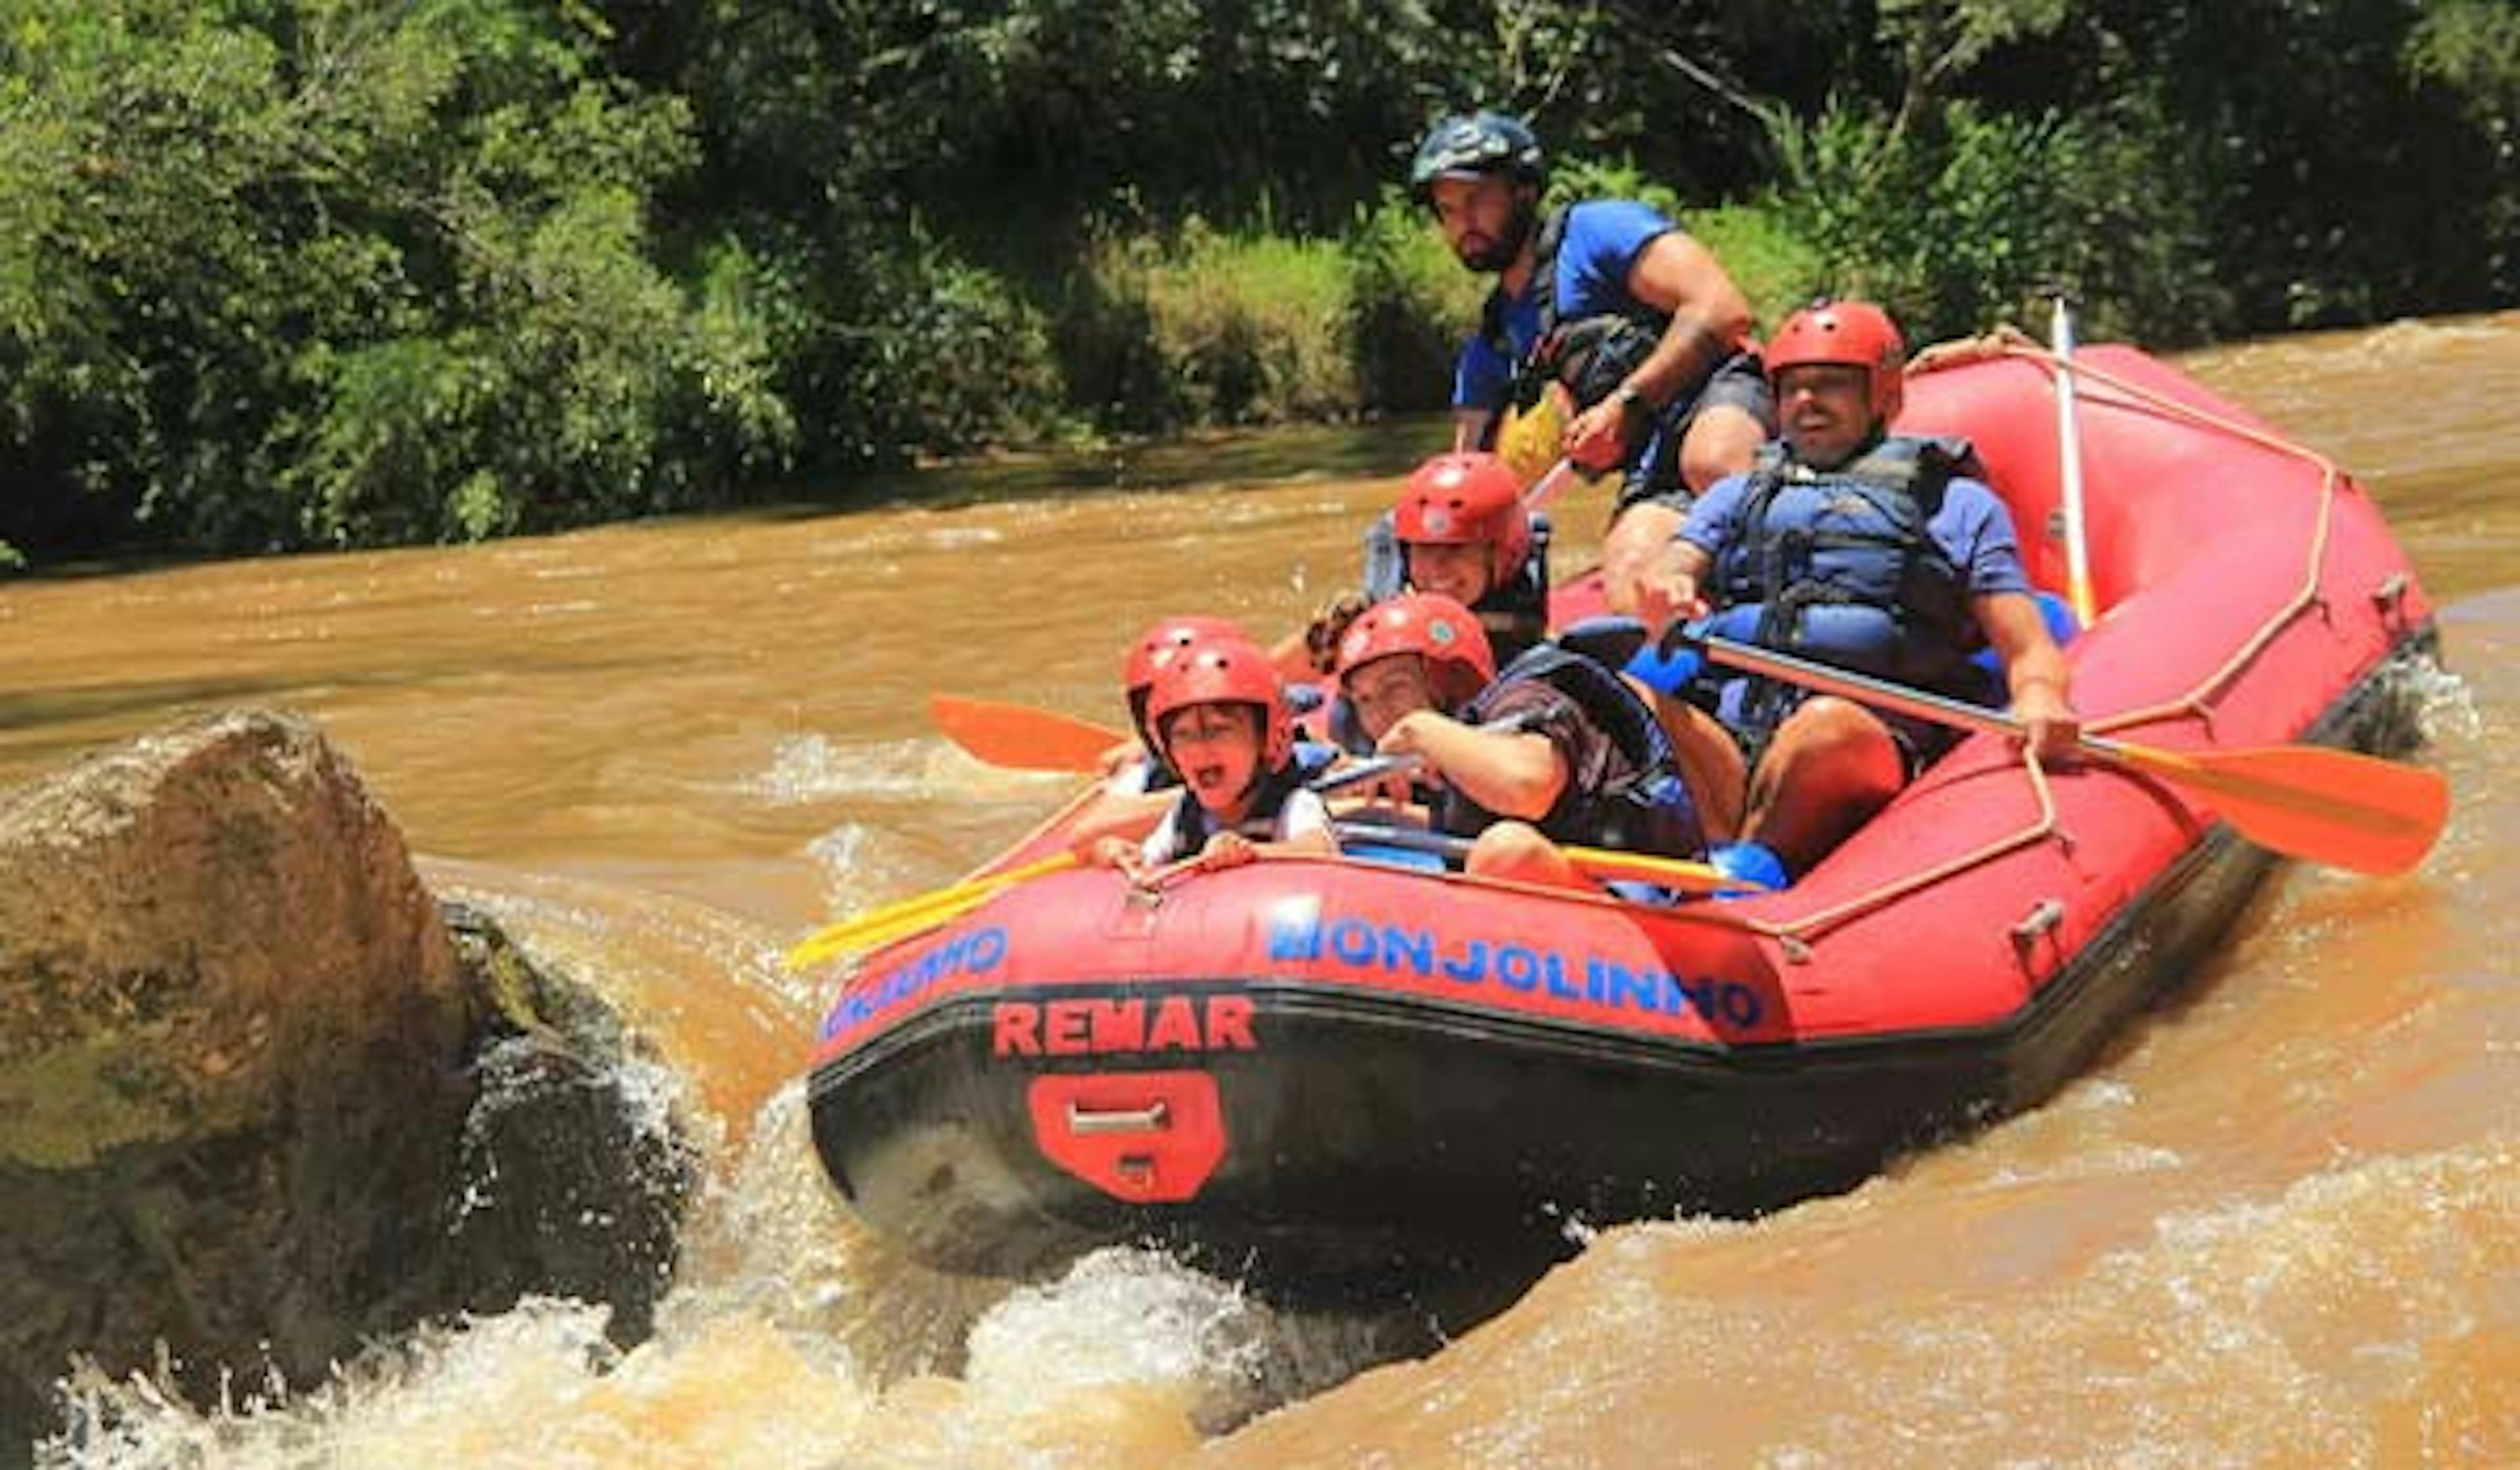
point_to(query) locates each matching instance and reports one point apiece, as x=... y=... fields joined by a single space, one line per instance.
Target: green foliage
x=1260 y=323
x=130 y=144
x=2473 y=47
x=1575 y=179
x=628 y=400
x=1958 y=230
x=338 y=277
x=2334 y=189
x=1942 y=39
x=1775 y=268
x=962 y=113
x=283 y=273
x=960 y=361
x=1205 y=326
x=1408 y=304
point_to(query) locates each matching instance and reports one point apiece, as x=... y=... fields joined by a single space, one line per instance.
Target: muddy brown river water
x=2278 y=1226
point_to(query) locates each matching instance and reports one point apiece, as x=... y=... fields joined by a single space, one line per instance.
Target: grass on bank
x=1207 y=327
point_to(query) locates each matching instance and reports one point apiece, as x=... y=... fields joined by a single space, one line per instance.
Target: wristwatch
x=1632 y=400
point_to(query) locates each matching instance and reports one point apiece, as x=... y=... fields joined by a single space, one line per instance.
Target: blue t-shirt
x=1600 y=248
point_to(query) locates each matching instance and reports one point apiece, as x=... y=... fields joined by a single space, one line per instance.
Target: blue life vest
x=1837 y=566
x=1647 y=809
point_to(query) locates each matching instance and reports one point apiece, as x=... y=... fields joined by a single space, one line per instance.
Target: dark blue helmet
x=1458 y=147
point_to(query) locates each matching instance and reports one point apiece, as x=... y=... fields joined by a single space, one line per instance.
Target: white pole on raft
x=2069 y=455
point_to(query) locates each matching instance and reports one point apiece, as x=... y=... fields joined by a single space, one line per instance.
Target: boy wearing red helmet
x=1459 y=528
x=1463 y=533
x=1138 y=787
x=1856 y=548
x=1217 y=717
x=1134 y=766
x=1556 y=749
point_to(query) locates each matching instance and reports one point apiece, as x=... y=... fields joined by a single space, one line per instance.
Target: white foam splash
x=1120 y=1316
x=956 y=538
x=371 y=1412
x=805 y=769
x=2447 y=704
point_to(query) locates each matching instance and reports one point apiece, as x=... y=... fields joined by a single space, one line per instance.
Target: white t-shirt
x=1303 y=814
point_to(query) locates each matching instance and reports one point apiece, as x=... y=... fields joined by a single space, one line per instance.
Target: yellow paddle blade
x=875 y=937
x=1528 y=439
x=893 y=920
x=1678 y=873
x=1681 y=874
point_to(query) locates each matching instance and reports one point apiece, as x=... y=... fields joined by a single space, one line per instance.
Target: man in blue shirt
x=1871 y=552
x=1611 y=304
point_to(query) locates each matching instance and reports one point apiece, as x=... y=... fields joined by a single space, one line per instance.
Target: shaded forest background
x=281 y=274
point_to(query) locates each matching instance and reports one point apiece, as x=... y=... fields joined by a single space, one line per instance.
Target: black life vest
x=1190 y=830
x=1646 y=809
x=1837 y=566
x=1590 y=355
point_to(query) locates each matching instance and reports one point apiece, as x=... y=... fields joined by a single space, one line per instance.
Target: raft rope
x=1795 y=937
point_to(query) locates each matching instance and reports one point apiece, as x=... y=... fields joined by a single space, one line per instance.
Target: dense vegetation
x=294 y=273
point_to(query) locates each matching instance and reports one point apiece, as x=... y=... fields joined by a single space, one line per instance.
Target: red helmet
x=1162 y=641
x=1465 y=500
x=1435 y=628
x=1224 y=671
x=1855 y=334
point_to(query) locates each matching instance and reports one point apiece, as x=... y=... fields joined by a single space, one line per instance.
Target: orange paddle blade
x=1021 y=736
x=2337 y=807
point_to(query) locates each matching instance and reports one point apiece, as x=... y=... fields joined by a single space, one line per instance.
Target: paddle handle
x=1414 y=838
x=1923 y=704
x=1846 y=684
x=1370 y=769
x=1545 y=488
x=1652 y=867
x=888 y=921
x=2338 y=807
x=1375 y=767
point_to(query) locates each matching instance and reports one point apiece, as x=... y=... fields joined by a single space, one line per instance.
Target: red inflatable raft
x=1306 y=1070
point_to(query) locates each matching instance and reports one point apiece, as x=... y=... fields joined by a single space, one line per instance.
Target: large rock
x=249 y=1089
x=201 y=930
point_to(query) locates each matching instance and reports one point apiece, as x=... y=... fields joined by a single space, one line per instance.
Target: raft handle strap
x=1145 y=1120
